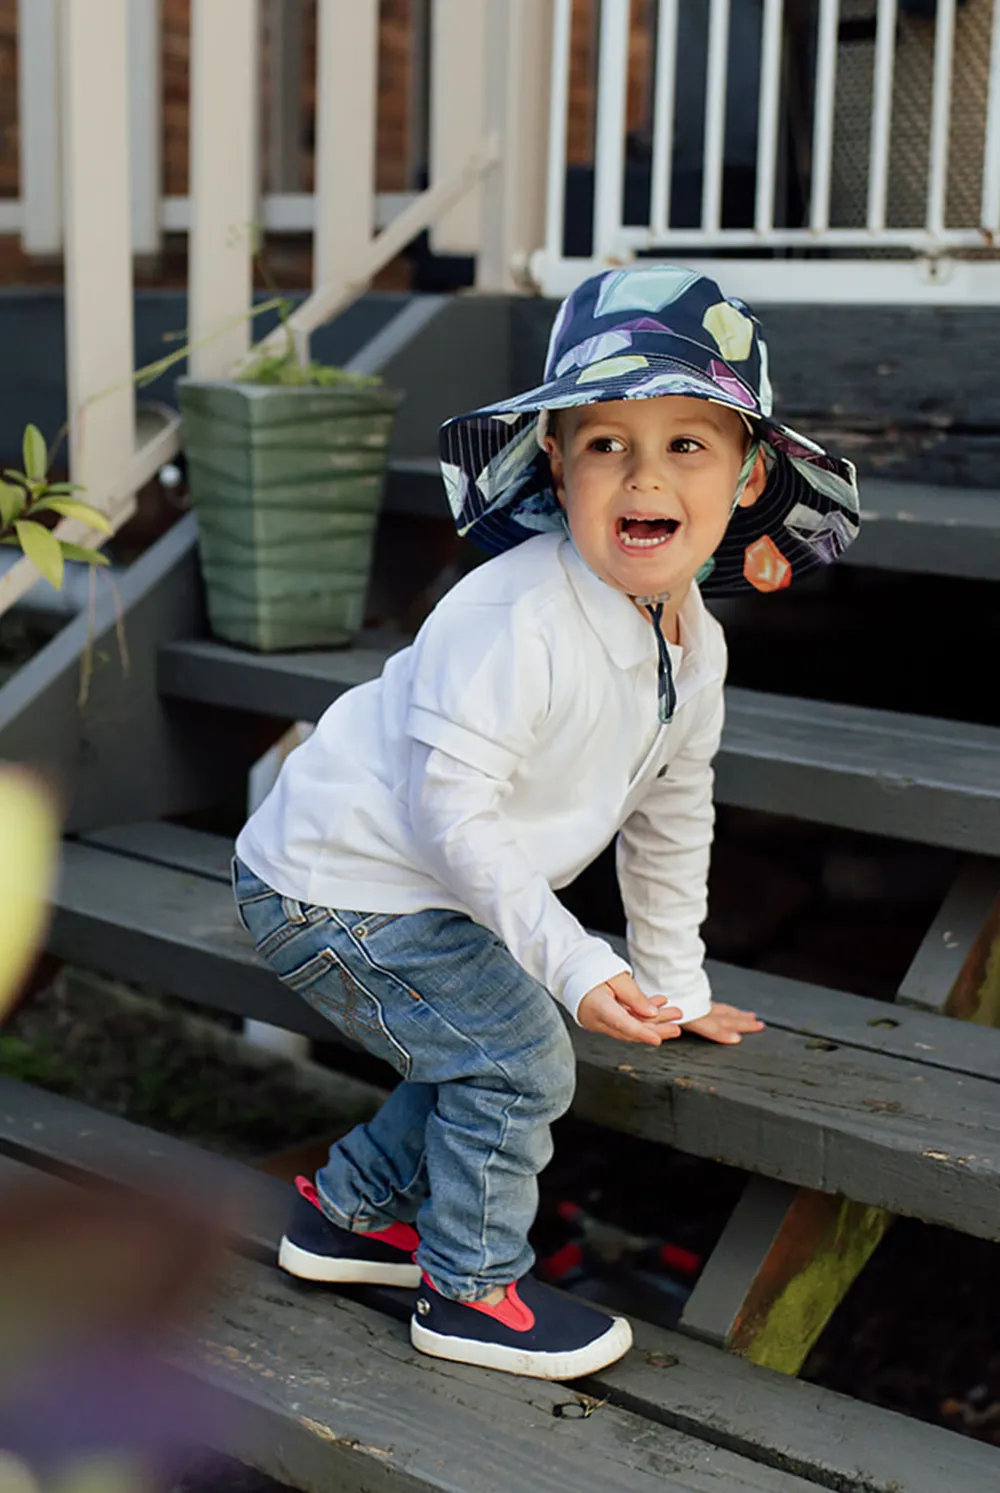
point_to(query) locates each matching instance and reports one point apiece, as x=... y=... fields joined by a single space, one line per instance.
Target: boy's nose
x=645 y=476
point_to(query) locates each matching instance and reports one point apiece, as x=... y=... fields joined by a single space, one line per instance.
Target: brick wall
x=8 y=99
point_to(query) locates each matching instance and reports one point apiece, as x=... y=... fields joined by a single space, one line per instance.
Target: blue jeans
x=486 y=1063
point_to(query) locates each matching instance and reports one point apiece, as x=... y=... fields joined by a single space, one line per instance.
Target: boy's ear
x=755 y=484
x=554 y=454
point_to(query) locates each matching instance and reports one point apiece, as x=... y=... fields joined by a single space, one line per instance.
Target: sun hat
x=640 y=333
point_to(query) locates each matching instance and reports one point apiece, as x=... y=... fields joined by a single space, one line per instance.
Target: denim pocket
x=368 y=923
x=331 y=988
x=248 y=890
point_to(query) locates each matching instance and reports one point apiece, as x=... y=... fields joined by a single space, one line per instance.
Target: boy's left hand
x=725 y=1024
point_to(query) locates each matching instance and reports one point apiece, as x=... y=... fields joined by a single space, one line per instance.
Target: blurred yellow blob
x=29 y=842
x=15 y=1477
x=107 y=1474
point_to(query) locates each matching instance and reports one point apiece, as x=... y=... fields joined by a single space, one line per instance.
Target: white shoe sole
x=606 y=1349
x=344 y=1272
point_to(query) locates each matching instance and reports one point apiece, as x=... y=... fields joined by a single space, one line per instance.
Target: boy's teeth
x=644 y=533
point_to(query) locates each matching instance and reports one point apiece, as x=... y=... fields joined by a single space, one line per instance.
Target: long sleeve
x=663 y=855
x=456 y=812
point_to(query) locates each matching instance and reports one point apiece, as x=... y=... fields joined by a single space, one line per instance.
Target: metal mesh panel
x=906 y=202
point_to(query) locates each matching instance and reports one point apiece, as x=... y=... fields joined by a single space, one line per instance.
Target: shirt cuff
x=593 y=964
x=693 y=1002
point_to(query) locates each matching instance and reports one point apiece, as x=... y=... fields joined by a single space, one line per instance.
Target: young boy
x=401 y=875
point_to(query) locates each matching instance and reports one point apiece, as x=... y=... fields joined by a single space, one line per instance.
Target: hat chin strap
x=665 y=688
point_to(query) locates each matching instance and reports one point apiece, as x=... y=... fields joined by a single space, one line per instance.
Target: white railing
x=91 y=127
x=500 y=82
x=929 y=242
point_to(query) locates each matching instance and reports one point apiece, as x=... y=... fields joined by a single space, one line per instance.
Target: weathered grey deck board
x=886 y=1129
x=917 y=1141
x=378 y=1414
x=854 y=1021
x=918 y=778
x=127 y=753
x=931 y=530
x=934 y=781
x=165 y=844
x=790 y=1005
x=823 y=1437
x=167 y=928
x=836 y=1442
x=75 y=1141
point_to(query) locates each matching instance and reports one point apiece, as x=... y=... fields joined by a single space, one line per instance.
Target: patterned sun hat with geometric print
x=640 y=333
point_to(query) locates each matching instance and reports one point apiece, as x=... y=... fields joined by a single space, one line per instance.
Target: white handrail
x=325 y=302
x=555 y=201
x=664 y=103
x=457 y=91
x=768 y=106
x=885 y=56
x=826 y=82
x=612 y=101
x=991 y=157
x=100 y=351
x=715 y=115
x=224 y=180
x=145 y=123
x=345 y=137
x=944 y=50
x=40 y=124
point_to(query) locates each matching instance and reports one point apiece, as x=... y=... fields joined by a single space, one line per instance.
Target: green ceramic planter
x=286 y=483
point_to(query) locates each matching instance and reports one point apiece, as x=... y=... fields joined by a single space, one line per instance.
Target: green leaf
x=21 y=477
x=36 y=455
x=77 y=552
x=11 y=502
x=43 y=550
x=73 y=508
x=63 y=489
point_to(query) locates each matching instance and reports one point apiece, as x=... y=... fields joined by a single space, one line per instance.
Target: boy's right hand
x=619 y=1009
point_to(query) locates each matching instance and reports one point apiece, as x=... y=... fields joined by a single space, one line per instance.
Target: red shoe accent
x=308 y=1191
x=511 y=1312
x=400 y=1235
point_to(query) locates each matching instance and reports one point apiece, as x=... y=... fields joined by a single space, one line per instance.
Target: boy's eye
x=606 y=443
x=685 y=444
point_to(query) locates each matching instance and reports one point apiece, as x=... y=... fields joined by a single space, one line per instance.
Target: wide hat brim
x=499 y=482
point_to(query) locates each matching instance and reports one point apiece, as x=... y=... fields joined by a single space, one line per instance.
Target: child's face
x=648 y=487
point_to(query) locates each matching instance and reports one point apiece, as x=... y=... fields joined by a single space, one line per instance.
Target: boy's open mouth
x=645 y=533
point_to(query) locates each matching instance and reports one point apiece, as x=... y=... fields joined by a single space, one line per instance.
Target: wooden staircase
x=845 y=1110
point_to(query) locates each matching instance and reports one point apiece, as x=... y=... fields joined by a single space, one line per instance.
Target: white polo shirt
x=497 y=756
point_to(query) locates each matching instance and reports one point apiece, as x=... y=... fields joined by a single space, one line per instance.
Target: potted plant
x=28 y=499
x=285 y=467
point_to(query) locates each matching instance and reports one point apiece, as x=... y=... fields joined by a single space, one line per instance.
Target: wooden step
x=839 y=1094
x=913 y=777
x=928 y=530
x=322 y=1390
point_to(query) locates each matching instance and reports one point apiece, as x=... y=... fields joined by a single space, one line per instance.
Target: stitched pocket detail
x=332 y=990
x=374 y=923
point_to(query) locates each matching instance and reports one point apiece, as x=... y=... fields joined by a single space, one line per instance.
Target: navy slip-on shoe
x=534 y=1331
x=314 y=1248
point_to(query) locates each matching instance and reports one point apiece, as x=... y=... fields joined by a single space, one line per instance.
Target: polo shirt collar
x=626 y=633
